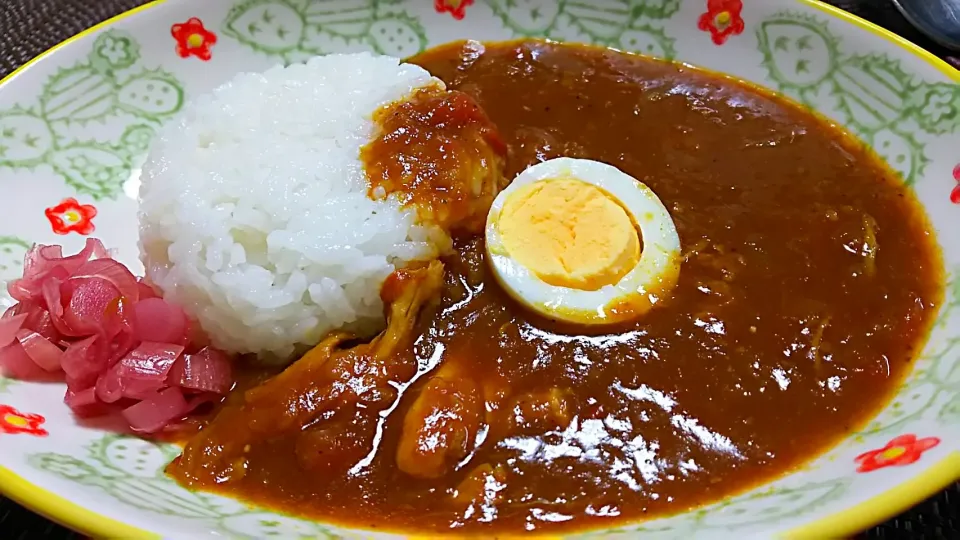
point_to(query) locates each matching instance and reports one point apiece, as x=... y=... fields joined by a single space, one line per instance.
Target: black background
x=29 y=27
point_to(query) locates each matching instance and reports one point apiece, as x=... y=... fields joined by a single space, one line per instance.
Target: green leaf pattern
x=933 y=390
x=630 y=25
x=130 y=470
x=872 y=95
x=108 y=85
x=295 y=30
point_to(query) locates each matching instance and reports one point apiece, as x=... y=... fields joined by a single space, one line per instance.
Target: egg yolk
x=569 y=233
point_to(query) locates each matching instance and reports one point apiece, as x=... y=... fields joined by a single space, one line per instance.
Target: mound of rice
x=254 y=213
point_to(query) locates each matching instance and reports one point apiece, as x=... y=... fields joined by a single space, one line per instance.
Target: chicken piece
x=441 y=426
x=543 y=410
x=439 y=152
x=336 y=446
x=483 y=486
x=325 y=379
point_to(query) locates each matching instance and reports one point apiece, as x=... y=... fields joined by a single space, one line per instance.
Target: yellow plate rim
x=838 y=525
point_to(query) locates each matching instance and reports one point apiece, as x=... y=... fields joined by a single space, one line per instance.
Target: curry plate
x=75 y=124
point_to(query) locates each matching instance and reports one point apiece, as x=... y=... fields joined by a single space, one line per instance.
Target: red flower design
x=193 y=39
x=13 y=422
x=722 y=19
x=71 y=216
x=955 y=194
x=903 y=450
x=457 y=8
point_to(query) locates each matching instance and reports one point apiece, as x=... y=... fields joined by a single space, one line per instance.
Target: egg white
x=647 y=283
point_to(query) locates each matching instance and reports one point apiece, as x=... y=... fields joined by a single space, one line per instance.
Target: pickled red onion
x=40 y=350
x=121 y=348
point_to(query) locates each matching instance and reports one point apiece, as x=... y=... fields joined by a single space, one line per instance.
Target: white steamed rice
x=254 y=213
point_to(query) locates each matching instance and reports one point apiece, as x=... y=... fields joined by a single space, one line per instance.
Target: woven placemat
x=29 y=27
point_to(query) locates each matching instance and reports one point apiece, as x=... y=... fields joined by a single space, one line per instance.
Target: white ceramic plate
x=74 y=126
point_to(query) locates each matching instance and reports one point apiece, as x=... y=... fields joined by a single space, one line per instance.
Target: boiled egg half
x=583 y=242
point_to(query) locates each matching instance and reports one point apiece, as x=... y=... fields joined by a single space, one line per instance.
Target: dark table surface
x=29 y=27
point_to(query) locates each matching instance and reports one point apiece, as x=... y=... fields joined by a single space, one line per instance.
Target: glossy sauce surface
x=809 y=282
x=426 y=147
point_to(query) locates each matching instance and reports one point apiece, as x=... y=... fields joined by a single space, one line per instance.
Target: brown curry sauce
x=809 y=283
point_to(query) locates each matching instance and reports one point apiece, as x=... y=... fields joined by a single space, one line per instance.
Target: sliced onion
x=51 y=298
x=207 y=371
x=146 y=291
x=109 y=388
x=96 y=249
x=82 y=364
x=159 y=321
x=92 y=249
x=41 y=259
x=111 y=271
x=115 y=339
x=143 y=371
x=153 y=414
x=9 y=326
x=151 y=360
x=38 y=320
x=40 y=350
x=44 y=256
x=81 y=398
x=19 y=308
x=118 y=331
x=54 y=304
x=84 y=403
x=89 y=299
x=30 y=289
x=17 y=364
x=24 y=290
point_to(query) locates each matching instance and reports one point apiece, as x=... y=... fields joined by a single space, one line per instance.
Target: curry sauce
x=809 y=282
